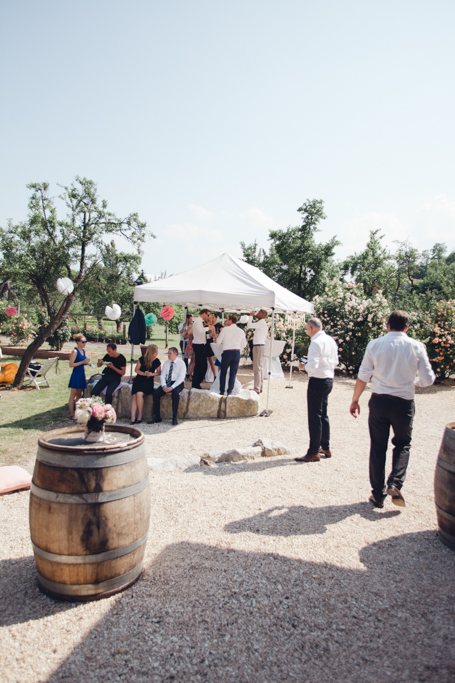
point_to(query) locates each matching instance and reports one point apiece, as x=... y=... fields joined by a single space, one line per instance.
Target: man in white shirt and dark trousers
x=391 y=363
x=321 y=364
x=232 y=340
x=260 y=335
x=172 y=378
x=199 y=341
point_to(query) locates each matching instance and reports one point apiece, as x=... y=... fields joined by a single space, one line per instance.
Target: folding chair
x=41 y=373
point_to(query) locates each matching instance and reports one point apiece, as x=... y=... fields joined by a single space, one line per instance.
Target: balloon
x=113 y=313
x=243 y=320
x=64 y=285
x=150 y=319
x=10 y=311
x=167 y=313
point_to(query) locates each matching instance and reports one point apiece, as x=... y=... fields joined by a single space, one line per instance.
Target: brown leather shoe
x=327 y=453
x=308 y=458
x=397 y=496
x=377 y=503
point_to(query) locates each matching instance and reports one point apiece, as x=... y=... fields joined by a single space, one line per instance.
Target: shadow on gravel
x=20 y=598
x=209 y=614
x=300 y=520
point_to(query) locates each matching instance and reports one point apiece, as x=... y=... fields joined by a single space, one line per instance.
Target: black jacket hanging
x=137 y=328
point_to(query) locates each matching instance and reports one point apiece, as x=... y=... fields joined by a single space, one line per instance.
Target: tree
x=112 y=281
x=43 y=248
x=295 y=260
x=373 y=268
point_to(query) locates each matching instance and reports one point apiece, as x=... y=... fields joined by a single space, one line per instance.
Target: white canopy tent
x=226 y=283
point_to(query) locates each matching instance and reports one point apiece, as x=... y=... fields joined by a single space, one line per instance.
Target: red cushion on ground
x=13 y=478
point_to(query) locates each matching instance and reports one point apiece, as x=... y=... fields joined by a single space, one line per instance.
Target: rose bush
x=436 y=329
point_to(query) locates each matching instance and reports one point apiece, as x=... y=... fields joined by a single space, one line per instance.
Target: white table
x=277 y=350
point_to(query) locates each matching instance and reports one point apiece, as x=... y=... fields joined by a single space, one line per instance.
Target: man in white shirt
x=391 y=363
x=232 y=340
x=172 y=378
x=320 y=366
x=199 y=341
x=259 y=337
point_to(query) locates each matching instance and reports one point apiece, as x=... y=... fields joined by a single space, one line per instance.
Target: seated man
x=115 y=363
x=172 y=378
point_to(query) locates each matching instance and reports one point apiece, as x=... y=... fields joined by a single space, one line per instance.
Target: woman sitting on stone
x=147 y=367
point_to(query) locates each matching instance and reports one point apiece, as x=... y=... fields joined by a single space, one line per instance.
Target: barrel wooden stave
x=444 y=487
x=93 y=545
x=82 y=480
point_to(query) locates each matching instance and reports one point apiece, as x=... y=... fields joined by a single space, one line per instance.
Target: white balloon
x=113 y=313
x=64 y=285
x=243 y=320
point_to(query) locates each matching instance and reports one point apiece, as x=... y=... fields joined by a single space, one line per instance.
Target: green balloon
x=150 y=319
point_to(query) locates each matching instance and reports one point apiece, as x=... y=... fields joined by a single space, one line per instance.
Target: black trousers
x=318 y=420
x=229 y=359
x=200 y=367
x=108 y=381
x=182 y=349
x=158 y=393
x=385 y=413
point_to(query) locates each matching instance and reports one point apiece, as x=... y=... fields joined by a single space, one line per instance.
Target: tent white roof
x=226 y=283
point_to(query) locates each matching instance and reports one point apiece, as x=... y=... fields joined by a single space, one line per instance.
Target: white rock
x=240 y=454
x=271 y=448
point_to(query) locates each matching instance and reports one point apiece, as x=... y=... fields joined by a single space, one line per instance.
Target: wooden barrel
x=444 y=487
x=89 y=512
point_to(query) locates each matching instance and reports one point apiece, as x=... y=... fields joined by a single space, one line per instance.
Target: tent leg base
x=265 y=413
x=288 y=386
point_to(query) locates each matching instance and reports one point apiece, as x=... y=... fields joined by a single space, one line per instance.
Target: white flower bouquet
x=94 y=414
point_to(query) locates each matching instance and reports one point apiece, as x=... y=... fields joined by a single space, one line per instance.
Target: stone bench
x=194 y=404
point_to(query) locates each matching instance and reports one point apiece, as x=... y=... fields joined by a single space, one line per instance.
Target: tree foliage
x=295 y=260
x=39 y=250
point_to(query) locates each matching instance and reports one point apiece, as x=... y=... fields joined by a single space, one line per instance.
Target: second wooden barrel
x=444 y=487
x=89 y=512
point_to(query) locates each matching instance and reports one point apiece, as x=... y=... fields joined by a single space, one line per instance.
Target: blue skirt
x=77 y=379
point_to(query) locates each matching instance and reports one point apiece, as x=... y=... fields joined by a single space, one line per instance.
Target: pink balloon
x=167 y=313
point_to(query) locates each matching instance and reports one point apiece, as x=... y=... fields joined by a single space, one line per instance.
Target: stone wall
x=194 y=404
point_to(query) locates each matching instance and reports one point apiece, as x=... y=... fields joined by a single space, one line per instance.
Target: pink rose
x=98 y=411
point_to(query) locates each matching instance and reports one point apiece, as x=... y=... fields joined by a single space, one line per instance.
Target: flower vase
x=94 y=431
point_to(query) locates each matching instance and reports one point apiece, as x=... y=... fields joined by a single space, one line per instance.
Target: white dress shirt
x=199 y=336
x=178 y=372
x=232 y=338
x=260 y=330
x=322 y=356
x=392 y=362
x=180 y=329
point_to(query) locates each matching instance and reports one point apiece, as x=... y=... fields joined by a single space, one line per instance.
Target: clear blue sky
x=215 y=121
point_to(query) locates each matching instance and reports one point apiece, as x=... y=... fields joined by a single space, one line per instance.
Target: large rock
x=194 y=404
x=244 y=405
x=240 y=454
x=270 y=448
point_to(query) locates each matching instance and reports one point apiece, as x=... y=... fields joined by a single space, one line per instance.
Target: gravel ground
x=258 y=572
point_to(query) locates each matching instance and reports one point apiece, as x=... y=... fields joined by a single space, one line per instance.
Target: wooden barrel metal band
x=446 y=515
x=446 y=465
x=90 y=588
x=89 y=461
x=84 y=498
x=447 y=537
x=90 y=559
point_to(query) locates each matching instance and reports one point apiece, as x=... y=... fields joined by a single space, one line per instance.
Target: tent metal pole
x=266 y=412
x=132 y=348
x=289 y=386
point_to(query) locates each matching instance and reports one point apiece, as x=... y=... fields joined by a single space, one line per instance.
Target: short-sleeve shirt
x=119 y=362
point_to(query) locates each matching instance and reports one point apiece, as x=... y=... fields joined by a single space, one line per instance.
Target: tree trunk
x=40 y=339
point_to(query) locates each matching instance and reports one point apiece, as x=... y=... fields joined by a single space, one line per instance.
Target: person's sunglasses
x=84 y=341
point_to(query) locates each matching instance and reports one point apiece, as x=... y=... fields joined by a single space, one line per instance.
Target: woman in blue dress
x=78 y=360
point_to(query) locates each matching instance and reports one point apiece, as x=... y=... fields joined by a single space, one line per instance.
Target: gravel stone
x=263 y=572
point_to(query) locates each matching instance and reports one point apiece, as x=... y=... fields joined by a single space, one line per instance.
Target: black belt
x=394 y=398
x=258 y=344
